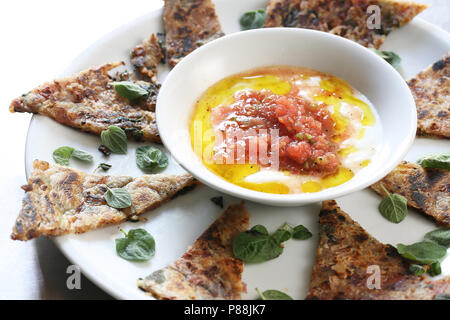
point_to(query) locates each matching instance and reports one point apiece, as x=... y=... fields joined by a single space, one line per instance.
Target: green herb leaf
x=393 y=207
x=391 y=57
x=151 y=159
x=425 y=252
x=138 y=245
x=104 y=166
x=253 y=246
x=417 y=270
x=129 y=90
x=283 y=233
x=301 y=233
x=440 y=236
x=273 y=295
x=436 y=160
x=115 y=140
x=118 y=198
x=261 y=229
x=62 y=155
x=253 y=19
x=82 y=155
x=435 y=269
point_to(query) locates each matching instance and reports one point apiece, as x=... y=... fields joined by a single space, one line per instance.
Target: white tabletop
x=40 y=39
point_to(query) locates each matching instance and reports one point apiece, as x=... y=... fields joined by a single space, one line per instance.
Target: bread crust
x=427 y=190
x=88 y=102
x=60 y=200
x=347 y=256
x=208 y=269
x=345 y=18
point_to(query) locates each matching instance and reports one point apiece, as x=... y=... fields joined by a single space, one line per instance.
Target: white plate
x=177 y=224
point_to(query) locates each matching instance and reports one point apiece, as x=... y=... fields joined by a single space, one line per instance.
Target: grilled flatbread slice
x=189 y=24
x=345 y=18
x=88 y=102
x=344 y=254
x=427 y=190
x=61 y=200
x=145 y=58
x=431 y=91
x=208 y=270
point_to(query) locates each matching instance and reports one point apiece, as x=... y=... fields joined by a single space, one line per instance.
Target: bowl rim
x=348 y=187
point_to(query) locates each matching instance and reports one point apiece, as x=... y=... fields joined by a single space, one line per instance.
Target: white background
x=39 y=40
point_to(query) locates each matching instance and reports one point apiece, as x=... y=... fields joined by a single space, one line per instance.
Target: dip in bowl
x=286 y=116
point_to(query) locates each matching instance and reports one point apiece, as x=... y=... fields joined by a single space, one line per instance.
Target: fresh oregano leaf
x=253 y=19
x=391 y=57
x=435 y=269
x=115 y=139
x=261 y=229
x=62 y=155
x=129 y=90
x=253 y=246
x=440 y=236
x=151 y=159
x=82 y=155
x=283 y=233
x=273 y=295
x=436 y=160
x=138 y=245
x=300 y=232
x=425 y=252
x=118 y=198
x=393 y=207
x=417 y=270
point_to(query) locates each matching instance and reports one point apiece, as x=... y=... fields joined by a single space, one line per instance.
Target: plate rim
x=91 y=271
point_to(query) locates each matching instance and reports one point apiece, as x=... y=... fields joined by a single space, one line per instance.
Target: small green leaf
x=118 y=198
x=115 y=139
x=273 y=295
x=391 y=57
x=425 y=252
x=435 y=269
x=393 y=207
x=62 y=155
x=440 y=236
x=253 y=246
x=138 y=245
x=417 y=270
x=82 y=155
x=436 y=160
x=301 y=233
x=283 y=233
x=253 y=19
x=129 y=90
x=151 y=159
x=261 y=229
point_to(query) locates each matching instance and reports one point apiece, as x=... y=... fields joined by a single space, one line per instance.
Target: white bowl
x=238 y=52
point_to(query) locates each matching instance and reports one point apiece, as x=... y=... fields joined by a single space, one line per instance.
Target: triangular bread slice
x=88 y=102
x=345 y=18
x=60 y=200
x=188 y=25
x=208 y=269
x=427 y=190
x=347 y=256
x=431 y=91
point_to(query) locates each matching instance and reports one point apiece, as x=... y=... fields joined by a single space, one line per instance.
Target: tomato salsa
x=283 y=129
x=305 y=129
